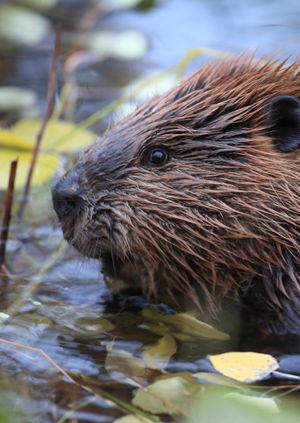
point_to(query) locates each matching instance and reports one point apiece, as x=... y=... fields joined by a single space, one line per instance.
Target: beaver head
x=197 y=192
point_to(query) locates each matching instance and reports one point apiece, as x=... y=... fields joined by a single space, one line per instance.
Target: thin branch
x=8 y=201
x=52 y=83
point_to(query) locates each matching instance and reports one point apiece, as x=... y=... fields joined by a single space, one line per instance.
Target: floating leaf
x=21 y=26
x=129 y=45
x=185 y=324
x=171 y=395
x=244 y=366
x=158 y=355
x=15 y=98
x=121 y=364
x=94 y=325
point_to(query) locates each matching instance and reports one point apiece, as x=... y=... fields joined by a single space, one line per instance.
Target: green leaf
x=219 y=405
x=170 y=395
x=262 y=403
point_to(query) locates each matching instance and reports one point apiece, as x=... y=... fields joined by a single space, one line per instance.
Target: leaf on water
x=21 y=26
x=128 y=45
x=44 y=169
x=185 y=324
x=133 y=418
x=170 y=395
x=94 y=325
x=158 y=355
x=158 y=329
x=266 y=404
x=15 y=98
x=244 y=367
x=121 y=365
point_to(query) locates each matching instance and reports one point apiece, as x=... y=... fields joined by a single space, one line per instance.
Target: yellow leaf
x=19 y=142
x=244 y=366
x=158 y=355
x=59 y=136
x=44 y=169
x=10 y=139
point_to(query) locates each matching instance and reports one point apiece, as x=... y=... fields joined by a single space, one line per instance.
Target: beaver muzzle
x=67 y=197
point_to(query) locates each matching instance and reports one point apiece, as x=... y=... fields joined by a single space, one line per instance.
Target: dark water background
x=71 y=294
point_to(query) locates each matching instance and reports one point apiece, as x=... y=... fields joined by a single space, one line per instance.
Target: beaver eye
x=157 y=156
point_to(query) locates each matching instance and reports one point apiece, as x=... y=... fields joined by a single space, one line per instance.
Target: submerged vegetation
x=67 y=352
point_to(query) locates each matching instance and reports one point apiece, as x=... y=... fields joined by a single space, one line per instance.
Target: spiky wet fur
x=221 y=218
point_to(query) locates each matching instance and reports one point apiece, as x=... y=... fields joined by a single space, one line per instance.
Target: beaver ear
x=284 y=119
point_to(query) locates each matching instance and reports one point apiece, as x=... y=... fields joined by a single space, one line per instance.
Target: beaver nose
x=66 y=202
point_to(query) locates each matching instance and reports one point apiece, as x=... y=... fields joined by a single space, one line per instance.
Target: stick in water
x=8 y=201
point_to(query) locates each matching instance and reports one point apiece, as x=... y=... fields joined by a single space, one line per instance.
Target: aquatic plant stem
x=52 y=83
x=8 y=201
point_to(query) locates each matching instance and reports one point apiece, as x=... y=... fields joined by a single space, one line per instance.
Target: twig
x=8 y=201
x=50 y=107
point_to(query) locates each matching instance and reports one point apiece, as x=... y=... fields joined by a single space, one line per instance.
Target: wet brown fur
x=221 y=218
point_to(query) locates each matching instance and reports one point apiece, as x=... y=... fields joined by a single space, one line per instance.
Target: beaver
x=197 y=193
